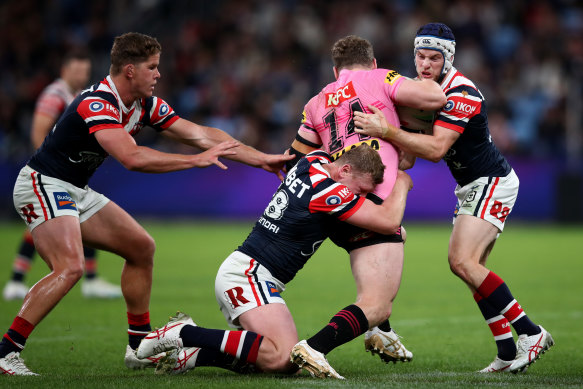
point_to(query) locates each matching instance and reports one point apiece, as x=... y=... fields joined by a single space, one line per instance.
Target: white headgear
x=437 y=36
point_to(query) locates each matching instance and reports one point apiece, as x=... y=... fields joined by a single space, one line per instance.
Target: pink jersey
x=330 y=115
x=54 y=99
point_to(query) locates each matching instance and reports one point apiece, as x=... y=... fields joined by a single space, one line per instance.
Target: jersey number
x=337 y=142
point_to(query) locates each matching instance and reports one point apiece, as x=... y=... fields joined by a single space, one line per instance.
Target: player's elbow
x=132 y=163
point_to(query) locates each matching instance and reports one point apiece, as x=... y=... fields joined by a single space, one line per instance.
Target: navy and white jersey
x=70 y=151
x=473 y=154
x=292 y=226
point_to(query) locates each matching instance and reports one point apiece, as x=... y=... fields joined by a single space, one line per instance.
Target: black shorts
x=351 y=237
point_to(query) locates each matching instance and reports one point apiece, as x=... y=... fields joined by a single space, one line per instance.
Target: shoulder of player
x=456 y=82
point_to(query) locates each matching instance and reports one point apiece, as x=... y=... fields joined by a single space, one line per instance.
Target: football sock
x=139 y=327
x=385 y=326
x=215 y=358
x=495 y=291
x=90 y=263
x=500 y=328
x=15 y=338
x=243 y=345
x=23 y=260
x=346 y=325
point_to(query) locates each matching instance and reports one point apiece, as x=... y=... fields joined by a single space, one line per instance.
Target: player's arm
x=304 y=143
x=423 y=94
x=430 y=147
x=41 y=125
x=122 y=146
x=204 y=137
x=385 y=218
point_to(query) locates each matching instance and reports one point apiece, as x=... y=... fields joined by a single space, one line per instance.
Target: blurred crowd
x=249 y=66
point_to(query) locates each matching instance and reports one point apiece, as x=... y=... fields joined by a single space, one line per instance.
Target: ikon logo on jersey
x=342 y=94
x=273 y=292
x=460 y=106
x=64 y=201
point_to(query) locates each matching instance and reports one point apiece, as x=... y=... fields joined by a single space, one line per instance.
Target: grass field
x=82 y=342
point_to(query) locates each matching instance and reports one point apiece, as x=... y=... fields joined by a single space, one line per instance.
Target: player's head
x=352 y=51
x=76 y=69
x=437 y=37
x=132 y=48
x=366 y=169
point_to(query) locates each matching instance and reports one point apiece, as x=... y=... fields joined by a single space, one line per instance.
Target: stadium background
x=248 y=67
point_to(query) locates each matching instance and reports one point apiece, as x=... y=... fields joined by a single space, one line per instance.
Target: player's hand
x=275 y=163
x=374 y=124
x=211 y=156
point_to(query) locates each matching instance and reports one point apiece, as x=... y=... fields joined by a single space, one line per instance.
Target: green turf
x=82 y=342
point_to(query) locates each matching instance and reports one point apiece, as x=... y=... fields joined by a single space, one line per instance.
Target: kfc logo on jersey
x=96 y=106
x=345 y=93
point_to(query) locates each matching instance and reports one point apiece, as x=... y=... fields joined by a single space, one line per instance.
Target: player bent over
x=250 y=281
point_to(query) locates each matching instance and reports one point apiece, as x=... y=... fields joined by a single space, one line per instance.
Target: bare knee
x=459 y=267
x=141 y=250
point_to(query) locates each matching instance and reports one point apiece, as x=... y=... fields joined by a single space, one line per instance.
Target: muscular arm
x=423 y=94
x=430 y=147
x=203 y=137
x=385 y=218
x=122 y=146
x=41 y=125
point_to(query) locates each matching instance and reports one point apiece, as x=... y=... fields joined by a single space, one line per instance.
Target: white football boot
x=529 y=349
x=12 y=364
x=314 y=362
x=132 y=362
x=387 y=345
x=14 y=290
x=178 y=361
x=166 y=338
x=100 y=288
x=497 y=366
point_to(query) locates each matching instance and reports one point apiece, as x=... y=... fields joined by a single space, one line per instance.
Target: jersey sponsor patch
x=64 y=201
x=96 y=106
x=392 y=76
x=271 y=288
x=342 y=94
x=163 y=110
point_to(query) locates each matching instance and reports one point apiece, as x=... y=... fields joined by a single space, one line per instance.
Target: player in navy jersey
x=52 y=196
x=250 y=281
x=486 y=190
x=52 y=102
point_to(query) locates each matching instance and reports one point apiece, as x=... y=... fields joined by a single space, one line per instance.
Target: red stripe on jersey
x=250 y=279
x=450 y=126
x=40 y=199
x=490 y=284
x=489 y=197
x=352 y=210
x=514 y=311
x=100 y=127
x=500 y=327
x=170 y=122
x=232 y=345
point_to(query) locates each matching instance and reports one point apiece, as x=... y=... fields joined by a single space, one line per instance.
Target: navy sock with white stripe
x=346 y=325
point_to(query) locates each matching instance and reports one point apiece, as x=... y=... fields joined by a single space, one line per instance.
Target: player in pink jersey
x=52 y=102
x=54 y=199
x=376 y=259
x=487 y=188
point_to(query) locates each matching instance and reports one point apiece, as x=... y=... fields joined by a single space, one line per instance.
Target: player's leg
x=276 y=324
x=93 y=285
x=114 y=230
x=15 y=288
x=58 y=242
